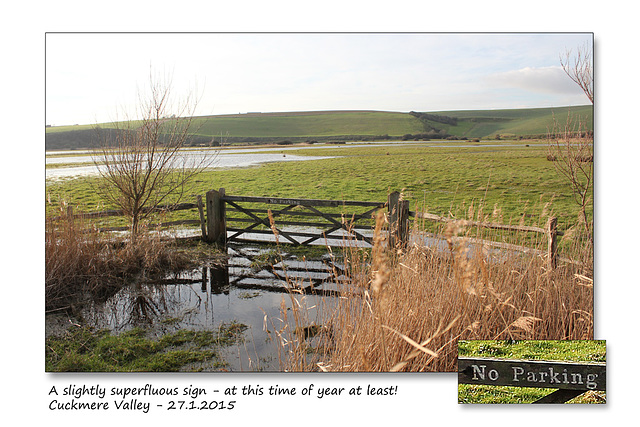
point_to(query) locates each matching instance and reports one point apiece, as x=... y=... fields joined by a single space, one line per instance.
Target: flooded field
x=64 y=164
x=251 y=290
x=83 y=165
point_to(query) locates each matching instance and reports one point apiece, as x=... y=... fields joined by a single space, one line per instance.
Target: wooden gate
x=295 y=221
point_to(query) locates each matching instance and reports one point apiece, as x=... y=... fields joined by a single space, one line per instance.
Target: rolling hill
x=255 y=128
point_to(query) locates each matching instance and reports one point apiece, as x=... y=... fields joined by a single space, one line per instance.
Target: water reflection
x=251 y=289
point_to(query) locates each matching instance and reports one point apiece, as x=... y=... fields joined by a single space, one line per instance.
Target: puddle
x=250 y=290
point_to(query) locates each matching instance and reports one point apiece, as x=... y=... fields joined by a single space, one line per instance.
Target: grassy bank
x=82 y=349
x=84 y=268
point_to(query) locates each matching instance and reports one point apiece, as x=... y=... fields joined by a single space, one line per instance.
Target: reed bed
x=404 y=309
x=81 y=261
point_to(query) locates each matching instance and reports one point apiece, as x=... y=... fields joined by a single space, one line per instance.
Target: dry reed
x=403 y=309
x=81 y=261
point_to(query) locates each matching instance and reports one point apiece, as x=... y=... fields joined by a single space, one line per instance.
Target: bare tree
x=570 y=148
x=141 y=159
x=579 y=67
x=570 y=144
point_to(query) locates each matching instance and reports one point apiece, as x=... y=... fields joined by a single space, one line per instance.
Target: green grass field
x=511 y=183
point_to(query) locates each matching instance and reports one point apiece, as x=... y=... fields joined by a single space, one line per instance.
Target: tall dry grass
x=404 y=309
x=81 y=261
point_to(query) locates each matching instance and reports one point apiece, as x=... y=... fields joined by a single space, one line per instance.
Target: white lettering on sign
x=546 y=376
x=480 y=373
x=552 y=376
x=283 y=202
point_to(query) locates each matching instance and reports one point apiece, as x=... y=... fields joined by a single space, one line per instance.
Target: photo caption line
x=149 y=398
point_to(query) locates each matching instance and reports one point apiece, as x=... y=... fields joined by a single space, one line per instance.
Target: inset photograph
x=532 y=371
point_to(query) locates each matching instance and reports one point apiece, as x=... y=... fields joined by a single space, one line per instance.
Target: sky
x=96 y=77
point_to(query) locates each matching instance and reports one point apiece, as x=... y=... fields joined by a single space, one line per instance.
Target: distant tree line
x=585 y=134
x=424 y=117
x=425 y=136
x=90 y=139
x=77 y=139
x=86 y=139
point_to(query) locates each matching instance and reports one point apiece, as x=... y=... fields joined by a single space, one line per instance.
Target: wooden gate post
x=398 y=220
x=393 y=200
x=404 y=222
x=203 y=221
x=552 y=245
x=216 y=225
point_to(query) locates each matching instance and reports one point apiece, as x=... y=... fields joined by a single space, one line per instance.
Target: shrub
x=81 y=261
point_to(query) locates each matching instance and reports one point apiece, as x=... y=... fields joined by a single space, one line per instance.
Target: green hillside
x=516 y=122
x=349 y=125
x=311 y=124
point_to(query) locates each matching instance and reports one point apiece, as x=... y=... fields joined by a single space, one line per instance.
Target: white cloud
x=90 y=75
x=551 y=79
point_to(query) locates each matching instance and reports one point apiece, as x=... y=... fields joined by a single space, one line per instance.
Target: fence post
x=398 y=220
x=403 y=222
x=392 y=201
x=69 y=217
x=203 y=222
x=216 y=227
x=552 y=245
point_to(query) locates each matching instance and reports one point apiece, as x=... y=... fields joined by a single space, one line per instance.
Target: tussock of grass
x=85 y=350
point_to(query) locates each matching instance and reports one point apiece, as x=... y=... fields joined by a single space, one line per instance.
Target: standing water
x=251 y=290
